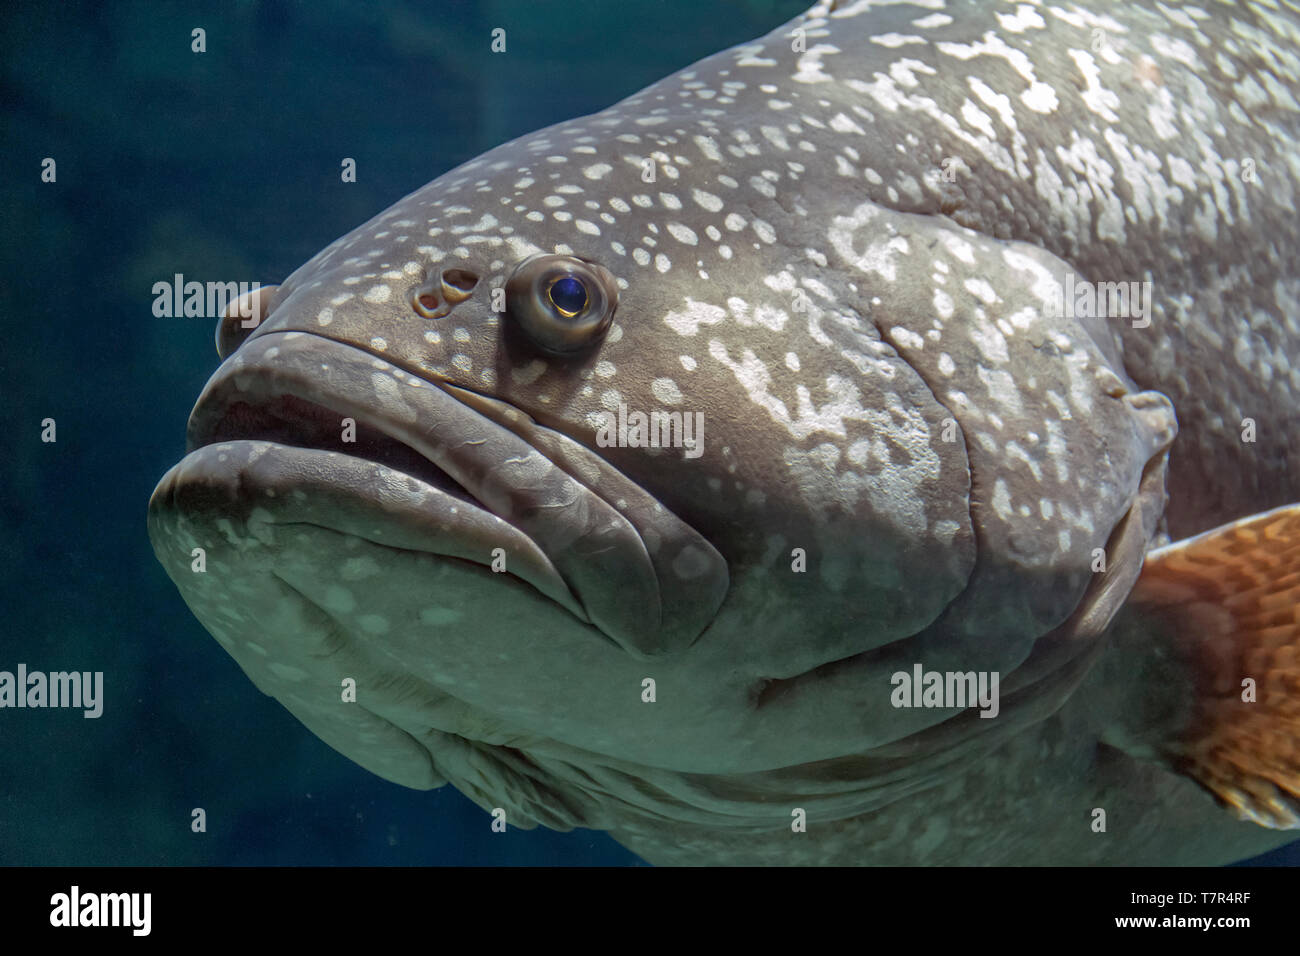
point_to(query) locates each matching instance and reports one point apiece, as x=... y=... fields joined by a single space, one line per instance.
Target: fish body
x=640 y=473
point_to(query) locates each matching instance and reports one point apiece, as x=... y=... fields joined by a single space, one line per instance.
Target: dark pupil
x=569 y=294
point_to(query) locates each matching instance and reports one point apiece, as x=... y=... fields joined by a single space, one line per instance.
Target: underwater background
x=224 y=165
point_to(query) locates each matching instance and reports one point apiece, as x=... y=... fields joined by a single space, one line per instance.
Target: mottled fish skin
x=1107 y=144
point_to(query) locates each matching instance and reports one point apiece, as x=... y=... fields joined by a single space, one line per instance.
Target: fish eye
x=568 y=295
x=563 y=304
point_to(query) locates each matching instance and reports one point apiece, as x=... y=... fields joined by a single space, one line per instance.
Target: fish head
x=547 y=444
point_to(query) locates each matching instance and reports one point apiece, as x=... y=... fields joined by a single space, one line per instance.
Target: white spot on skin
x=339 y=600
x=287 y=672
x=981 y=290
x=696 y=314
x=358 y=569
x=774 y=136
x=597 y=171
x=1097 y=98
x=810 y=65
x=683 y=234
x=440 y=616
x=1056 y=449
x=378 y=294
x=877 y=257
x=1001 y=500
x=958 y=247
x=690 y=563
x=1014 y=450
x=708 y=148
x=1040 y=96
x=666 y=391
x=706 y=200
x=1161 y=114
x=943 y=304
x=1025 y=18
x=1002 y=388
x=989 y=340
x=907 y=338
x=976 y=117
x=388 y=396
x=843 y=124
x=1178 y=51
x=932 y=21
x=528 y=373
x=895 y=40
x=762 y=186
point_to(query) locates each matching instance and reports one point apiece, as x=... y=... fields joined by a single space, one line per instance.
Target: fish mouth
x=323 y=433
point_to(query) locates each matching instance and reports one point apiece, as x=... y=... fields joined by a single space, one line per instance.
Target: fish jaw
x=494 y=498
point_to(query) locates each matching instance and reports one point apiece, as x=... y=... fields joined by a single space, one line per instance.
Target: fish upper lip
x=608 y=562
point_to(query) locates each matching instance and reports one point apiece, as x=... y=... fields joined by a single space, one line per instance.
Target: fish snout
x=484 y=481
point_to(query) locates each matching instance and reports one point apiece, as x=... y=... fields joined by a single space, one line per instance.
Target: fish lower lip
x=439 y=467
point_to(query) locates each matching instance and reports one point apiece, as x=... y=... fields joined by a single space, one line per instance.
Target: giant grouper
x=876 y=443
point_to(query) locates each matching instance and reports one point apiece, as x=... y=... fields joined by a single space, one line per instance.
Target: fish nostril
x=434 y=298
x=460 y=280
x=428 y=303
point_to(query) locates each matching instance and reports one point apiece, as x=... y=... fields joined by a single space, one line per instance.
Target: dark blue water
x=225 y=165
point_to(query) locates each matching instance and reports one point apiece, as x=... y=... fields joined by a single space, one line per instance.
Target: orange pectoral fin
x=1229 y=601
